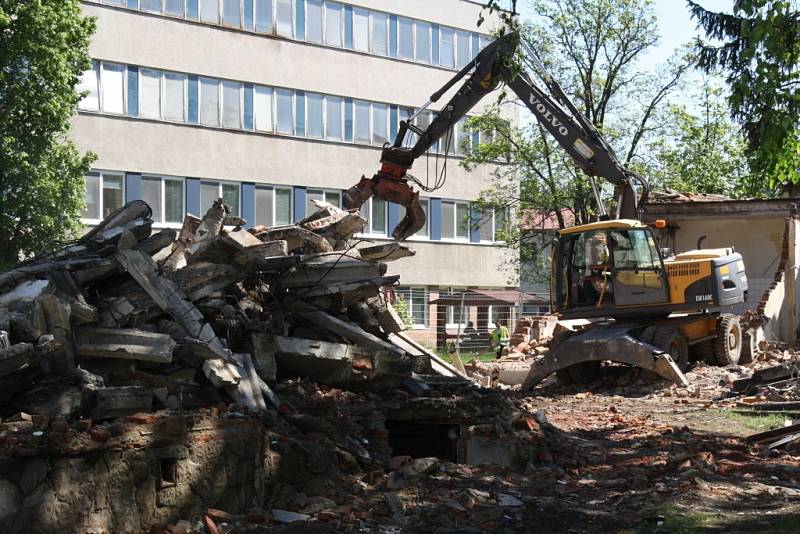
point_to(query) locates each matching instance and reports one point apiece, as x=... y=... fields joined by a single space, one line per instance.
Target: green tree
x=759 y=55
x=702 y=151
x=43 y=51
x=592 y=47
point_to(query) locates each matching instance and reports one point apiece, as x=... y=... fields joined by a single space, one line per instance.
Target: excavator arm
x=553 y=110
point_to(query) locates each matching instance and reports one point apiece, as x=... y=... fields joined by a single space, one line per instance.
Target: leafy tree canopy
x=43 y=51
x=759 y=54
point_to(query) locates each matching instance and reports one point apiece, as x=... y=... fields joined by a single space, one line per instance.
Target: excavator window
x=589 y=276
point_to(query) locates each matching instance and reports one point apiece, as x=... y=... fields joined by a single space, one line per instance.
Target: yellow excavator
x=642 y=308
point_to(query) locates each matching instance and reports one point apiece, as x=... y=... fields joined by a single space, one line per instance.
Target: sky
x=675 y=23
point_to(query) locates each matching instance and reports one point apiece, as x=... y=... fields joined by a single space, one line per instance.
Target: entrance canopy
x=489 y=297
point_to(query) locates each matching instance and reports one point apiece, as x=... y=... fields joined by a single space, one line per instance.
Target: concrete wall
x=183 y=150
x=95 y=482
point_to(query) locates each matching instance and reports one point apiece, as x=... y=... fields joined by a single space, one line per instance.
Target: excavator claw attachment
x=605 y=343
x=394 y=190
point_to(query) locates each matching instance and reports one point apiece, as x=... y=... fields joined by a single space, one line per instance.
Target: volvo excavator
x=641 y=308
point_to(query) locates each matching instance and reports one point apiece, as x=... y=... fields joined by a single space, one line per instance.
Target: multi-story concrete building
x=271 y=104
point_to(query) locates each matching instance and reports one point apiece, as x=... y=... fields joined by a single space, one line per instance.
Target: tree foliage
x=701 y=150
x=759 y=55
x=43 y=51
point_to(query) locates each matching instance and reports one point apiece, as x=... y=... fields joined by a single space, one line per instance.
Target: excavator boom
x=552 y=109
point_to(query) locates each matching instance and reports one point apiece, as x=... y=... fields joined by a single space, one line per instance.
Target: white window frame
x=185 y=97
x=271 y=30
x=455 y=238
x=322 y=112
x=367 y=230
x=271 y=128
x=275 y=111
x=386 y=29
x=102 y=173
x=219 y=184
x=95 y=70
x=222 y=15
x=450 y=319
x=341 y=118
x=163 y=198
x=325 y=191
x=322 y=24
x=430 y=42
x=325 y=24
x=400 y=293
x=274 y=189
x=183 y=15
x=222 y=104
x=200 y=101
x=101 y=89
x=160 y=93
x=413 y=38
x=291 y=19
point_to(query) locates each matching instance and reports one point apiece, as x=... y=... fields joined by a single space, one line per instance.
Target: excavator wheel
x=670 y=340
x=728 y=345
x=581 y=373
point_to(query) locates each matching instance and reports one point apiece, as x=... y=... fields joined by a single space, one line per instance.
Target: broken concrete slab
x=387 y=252
x=124 y=343
x=113 y=402
x=330 y=363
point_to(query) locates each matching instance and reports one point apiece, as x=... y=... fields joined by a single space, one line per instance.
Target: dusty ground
x=623 y=456
x=655 y=464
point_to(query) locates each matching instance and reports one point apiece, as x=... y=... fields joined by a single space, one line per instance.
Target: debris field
x=273 y=352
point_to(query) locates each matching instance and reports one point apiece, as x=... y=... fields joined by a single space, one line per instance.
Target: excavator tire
x=670 y=340
x=581 y=373
x=728 y=345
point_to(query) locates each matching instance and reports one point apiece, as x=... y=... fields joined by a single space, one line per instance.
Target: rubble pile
x=125 y=320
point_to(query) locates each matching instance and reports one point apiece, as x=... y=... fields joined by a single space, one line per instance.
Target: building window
x=229 y=192
x=89 y=85
x=112 y=81
x=232 y=104
x=209 y=11
x=405 y=38
x=314 y=21
x=273 y=206
x=209 y=101
x=361 y=126
x=153 y=6
x=464 y=138
x=422 y=232
x=174 y=96
x=374 y=211
x=446 y=47
x=333 y=117
x=422 y=36
x=284 y=106
x=231 y=13
x=416 y=302
x=164 y=195
x=380 y=33
x=455 y=220
x=104 y=194
x=361 y=29
x=322 y=195
x=263 y=16
x=333 y=24
x=463 y=49
x=149 y=94
x=283 y=16
x=174 y=7
x=314 y=121
x=262 y=109
x=380 y=124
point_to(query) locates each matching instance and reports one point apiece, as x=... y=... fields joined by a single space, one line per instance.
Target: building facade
x=271 y=104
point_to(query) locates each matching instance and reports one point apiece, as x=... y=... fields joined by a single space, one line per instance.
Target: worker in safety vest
x=499 y=337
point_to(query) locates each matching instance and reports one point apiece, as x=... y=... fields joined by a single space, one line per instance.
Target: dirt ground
x=623 y=456
x=655 y=464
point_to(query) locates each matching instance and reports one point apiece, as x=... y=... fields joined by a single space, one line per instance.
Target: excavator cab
x=601 y=269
